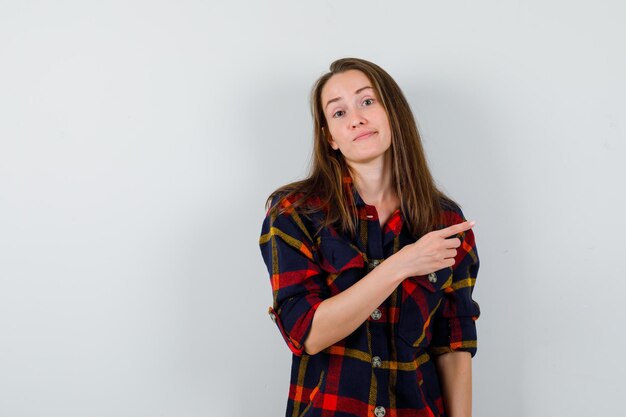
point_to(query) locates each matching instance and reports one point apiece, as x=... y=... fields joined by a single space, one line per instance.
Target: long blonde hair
x=420 y=199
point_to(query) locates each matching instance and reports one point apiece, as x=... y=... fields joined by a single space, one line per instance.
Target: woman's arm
x=455 y=372
x=338 y=316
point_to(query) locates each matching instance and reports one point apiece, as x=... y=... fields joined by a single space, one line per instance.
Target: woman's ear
x=329 y=138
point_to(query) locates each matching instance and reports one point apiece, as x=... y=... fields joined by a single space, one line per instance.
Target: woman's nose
x=357 y=120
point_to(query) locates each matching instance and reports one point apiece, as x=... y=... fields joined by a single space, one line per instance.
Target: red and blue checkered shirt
x=385 y=367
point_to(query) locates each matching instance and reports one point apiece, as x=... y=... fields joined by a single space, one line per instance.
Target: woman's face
x=357 y=122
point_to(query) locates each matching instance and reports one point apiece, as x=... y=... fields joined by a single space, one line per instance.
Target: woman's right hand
x=431 y=252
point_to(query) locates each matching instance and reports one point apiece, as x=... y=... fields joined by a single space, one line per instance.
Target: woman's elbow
x=310 y=348
x=312 y=345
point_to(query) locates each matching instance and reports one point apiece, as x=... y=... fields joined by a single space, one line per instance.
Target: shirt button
x=379 y=411
x=432 y=277
x=376 y=362
x=373 y=264
x=376 y=314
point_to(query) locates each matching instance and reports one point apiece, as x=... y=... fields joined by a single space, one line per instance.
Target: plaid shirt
x=384 y=368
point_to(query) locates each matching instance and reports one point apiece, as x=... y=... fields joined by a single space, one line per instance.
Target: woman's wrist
x=393 y=270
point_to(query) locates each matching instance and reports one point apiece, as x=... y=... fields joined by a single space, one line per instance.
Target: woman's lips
x=364 y=135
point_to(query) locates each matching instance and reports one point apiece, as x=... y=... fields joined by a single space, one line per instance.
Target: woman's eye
x=338 y=113
x=368 y=101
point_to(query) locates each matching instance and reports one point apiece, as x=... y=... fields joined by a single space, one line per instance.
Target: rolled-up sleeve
x=298 y=284
x=455 y=323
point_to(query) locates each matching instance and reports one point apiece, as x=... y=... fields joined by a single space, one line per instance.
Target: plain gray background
x=139 y=140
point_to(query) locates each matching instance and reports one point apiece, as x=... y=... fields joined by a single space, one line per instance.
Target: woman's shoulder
x=295 y=200
x=295 y=214
x=298 y=204
x=451 y=211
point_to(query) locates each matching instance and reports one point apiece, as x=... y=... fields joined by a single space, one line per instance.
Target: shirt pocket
x=422 y=297
x=341 y=260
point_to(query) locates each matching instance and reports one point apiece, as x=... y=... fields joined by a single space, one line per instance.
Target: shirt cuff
x=454 y=334
x=296 y=336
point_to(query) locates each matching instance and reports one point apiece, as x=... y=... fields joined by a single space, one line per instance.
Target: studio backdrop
x=140 y=139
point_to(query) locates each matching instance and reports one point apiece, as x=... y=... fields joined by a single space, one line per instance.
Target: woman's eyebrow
x=332 y=100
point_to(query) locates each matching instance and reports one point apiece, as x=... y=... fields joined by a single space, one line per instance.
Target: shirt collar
x=351 y=190
x=394 y=223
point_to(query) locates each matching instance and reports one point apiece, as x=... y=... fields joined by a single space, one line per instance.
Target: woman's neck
x=374 y=183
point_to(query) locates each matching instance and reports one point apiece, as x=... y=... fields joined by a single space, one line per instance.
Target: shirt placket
x=372 y=242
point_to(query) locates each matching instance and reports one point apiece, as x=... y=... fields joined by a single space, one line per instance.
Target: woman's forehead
x=344 y=83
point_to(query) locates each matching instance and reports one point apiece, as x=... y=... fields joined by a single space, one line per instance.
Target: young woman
x=372 y=267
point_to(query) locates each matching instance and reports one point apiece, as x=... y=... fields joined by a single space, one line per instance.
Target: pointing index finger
x=456 y=228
